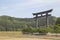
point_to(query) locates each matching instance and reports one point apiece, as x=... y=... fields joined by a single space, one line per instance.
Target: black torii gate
x=42 y=15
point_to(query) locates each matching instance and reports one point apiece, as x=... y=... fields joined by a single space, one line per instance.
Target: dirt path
x=21 y=39
x=14 y=38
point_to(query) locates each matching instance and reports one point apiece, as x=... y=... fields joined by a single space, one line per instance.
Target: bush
x=56 y=29
x=29 y=30
x=42 y=30
x=34 y=30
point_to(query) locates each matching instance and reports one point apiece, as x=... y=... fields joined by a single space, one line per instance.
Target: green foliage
x=30 y=30
x=42 y=30
x=8 y=23
x=56 y=28
x=35 y=30
x=58 y=21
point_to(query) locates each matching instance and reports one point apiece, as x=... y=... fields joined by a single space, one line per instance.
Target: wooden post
x=47 y=21
x=36 y=21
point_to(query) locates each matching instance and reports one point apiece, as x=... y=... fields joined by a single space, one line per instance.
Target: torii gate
x=42 y=15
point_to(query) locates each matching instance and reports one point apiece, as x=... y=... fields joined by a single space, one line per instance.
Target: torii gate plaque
x=41 y=15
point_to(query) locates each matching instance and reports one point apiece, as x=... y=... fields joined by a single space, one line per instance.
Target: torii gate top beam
x=43 y=12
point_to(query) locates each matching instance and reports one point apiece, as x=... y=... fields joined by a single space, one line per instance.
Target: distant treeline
x=8 y=23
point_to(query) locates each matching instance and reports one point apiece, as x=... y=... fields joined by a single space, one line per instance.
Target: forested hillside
x=8 y=23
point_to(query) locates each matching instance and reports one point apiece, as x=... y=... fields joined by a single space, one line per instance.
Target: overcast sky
x=25 y=8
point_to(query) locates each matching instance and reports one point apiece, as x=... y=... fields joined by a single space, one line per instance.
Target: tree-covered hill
x=8 y=23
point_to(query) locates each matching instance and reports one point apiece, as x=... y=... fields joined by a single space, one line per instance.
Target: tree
x=58 y=21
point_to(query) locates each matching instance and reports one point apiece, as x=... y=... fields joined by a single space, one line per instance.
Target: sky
x=25 y=8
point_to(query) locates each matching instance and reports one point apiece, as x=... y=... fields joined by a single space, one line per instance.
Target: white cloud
x=28 y=4
x=31 y=3
x=16 y=7
x=35 y=3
